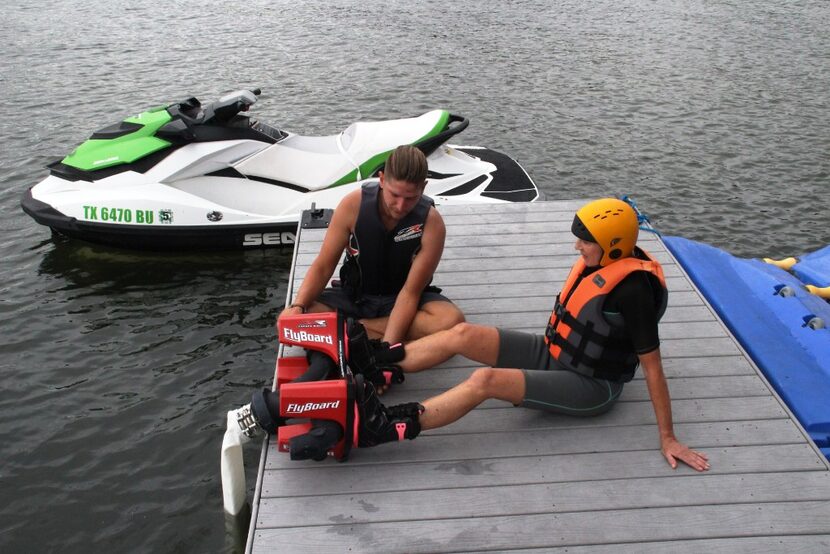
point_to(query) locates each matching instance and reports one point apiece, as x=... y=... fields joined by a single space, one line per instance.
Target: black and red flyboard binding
x=338 y=409
x=328 y=405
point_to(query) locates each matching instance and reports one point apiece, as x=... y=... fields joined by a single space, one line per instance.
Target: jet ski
x=188 y=176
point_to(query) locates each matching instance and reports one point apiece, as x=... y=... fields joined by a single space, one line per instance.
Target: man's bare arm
x=420 y=274
x=335 y=241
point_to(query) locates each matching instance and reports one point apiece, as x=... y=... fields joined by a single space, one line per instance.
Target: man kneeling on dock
x=393 y=237
x=603 y=325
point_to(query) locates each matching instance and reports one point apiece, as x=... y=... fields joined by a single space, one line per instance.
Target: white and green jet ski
x=188 y=176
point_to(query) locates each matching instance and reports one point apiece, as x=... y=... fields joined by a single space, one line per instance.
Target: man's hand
x=296 y=310
x=674 y=450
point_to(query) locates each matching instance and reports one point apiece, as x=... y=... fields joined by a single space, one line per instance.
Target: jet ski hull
x=163 y=238
x=164 y=226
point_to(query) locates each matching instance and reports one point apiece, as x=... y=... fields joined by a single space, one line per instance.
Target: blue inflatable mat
x=814 y=268
x=773 y=328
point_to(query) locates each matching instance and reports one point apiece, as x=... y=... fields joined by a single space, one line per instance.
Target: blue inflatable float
x=814 y=268
x=784 y=328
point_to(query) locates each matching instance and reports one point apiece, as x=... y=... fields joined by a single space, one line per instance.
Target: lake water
x=118 y=367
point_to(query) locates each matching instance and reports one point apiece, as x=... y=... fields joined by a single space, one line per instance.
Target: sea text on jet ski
x=311 y=406
x=259 y=239
x=303 y=336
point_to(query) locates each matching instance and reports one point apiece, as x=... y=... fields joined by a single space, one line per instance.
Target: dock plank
x=548 y=498
x=673 y=367
x=563 y=529
x=803 y=544
x=341 y=479
x=429 y=383
x=639 y=412
x=536 y=442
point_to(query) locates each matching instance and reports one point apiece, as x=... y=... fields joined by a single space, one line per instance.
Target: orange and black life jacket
x=587 y=340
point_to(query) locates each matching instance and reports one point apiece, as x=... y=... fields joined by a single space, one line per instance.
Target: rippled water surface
x=118 y=367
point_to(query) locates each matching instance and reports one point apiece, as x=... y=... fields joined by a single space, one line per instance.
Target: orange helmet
x=612 y=224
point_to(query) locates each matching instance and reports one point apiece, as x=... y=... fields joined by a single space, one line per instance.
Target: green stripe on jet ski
x=100 y=153
x=372 y=164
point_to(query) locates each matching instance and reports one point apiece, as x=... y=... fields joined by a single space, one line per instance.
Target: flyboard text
x=304 y=336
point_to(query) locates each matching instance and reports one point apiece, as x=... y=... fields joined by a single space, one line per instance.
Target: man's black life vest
x=377 y=261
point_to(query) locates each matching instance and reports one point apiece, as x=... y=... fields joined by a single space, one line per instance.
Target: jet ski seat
x=316 y=163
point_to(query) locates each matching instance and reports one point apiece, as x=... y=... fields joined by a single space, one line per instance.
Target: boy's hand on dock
x=674 y=450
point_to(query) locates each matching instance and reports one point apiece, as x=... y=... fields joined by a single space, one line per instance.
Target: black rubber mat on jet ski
x=510 y=182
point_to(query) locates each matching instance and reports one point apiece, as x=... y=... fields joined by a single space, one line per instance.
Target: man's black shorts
x=370 y=306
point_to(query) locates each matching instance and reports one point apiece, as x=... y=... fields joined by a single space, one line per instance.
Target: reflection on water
x=236 y=530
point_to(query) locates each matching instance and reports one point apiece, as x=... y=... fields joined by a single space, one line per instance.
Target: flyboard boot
x=374 y=359
x=379 y=424
x=340 y=410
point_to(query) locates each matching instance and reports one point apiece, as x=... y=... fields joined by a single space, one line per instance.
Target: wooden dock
x=511 y=479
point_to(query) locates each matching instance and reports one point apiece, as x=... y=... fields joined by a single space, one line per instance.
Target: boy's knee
x=464 y=332
x=482 y=381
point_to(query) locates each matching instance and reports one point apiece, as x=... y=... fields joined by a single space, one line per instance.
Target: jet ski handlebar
x=221 y=111
x=227 y=107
